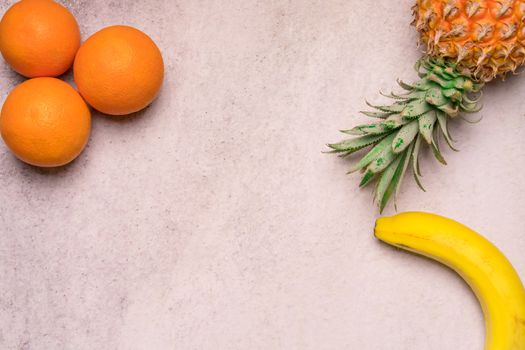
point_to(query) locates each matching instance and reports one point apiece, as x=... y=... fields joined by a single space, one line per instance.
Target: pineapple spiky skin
x=486 y=38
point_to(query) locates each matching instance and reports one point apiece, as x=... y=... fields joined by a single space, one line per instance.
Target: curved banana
x=479 y=262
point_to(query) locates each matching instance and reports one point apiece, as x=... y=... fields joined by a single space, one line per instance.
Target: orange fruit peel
x=119 y=70
x=39 y=38
x=45 y=122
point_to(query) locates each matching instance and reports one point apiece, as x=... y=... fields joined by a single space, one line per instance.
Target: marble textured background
x=212 y=220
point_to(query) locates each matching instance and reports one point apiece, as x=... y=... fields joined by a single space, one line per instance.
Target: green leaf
x=445 y=84
x=379 y=115
x=399 y=98
x=471 y=107
x=453 y=94
x=369 y=176
x=459 y=83
x=424 y=85
x=476 y=87
x=426 y=125
x=382 y=161
x=373 y=154
x=415 y=109
x=395 y=121
x=435 y=97
x=396 y=138
x=367 y=129
x=436 y=137
x=405 y=161
x=354 y=145
x=437 y=152
x=415 y=162
x=474 y=100
x=419 y=95
x=404 y=85
x=444 y=73
x=395 y=182
x=394 y=108
x=449 y=108
x=354 y=132
x=405 y=136
x=382 y=194
x=402 y=96
x=423 y=63
x=442 y=121
x=450 y=71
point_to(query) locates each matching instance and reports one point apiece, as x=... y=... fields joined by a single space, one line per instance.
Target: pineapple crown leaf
x=420 y=115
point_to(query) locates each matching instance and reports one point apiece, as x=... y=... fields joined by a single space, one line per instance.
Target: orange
x=39 y=38
x=119 y=70
x=45 y=122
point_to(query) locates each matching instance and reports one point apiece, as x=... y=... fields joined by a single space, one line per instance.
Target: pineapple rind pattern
x=486 y=38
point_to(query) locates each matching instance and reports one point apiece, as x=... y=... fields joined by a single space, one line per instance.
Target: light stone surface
x=212 y=220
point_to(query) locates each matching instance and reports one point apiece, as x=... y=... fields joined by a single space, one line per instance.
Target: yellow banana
x=479 y=262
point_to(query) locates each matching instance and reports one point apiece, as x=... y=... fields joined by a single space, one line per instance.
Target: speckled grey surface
x=212 y=220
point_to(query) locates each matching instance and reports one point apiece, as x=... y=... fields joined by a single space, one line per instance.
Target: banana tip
x=379 y=228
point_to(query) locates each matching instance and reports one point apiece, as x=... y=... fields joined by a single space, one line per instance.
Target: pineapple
x=468 y=43
x=485 y=37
